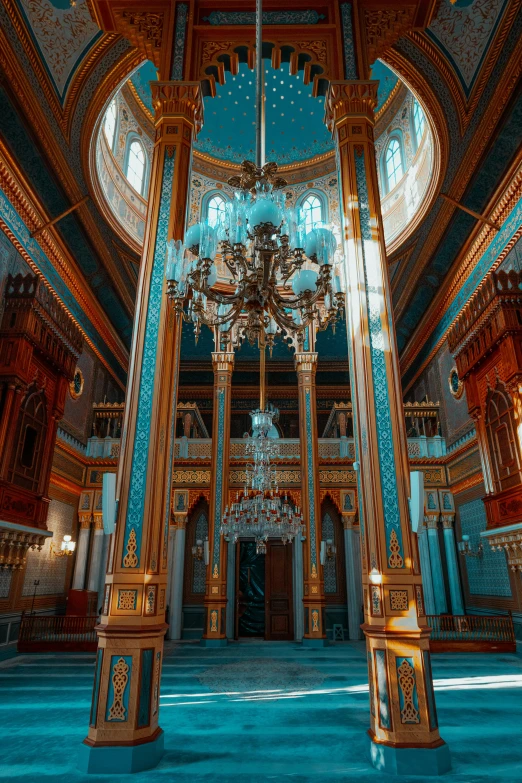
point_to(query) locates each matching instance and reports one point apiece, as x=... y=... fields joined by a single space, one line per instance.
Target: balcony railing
x=329 y=448
x=52 y=634
x=475 y=633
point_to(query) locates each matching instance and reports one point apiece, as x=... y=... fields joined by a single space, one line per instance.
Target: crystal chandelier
x=260 y=512
x=280 y=277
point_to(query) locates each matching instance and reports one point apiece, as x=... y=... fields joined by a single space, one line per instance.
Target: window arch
x=393 y=163
x=216 y=206
x=502 y=438
x=27 y=459
x=419 y=122
x=312 y=209
x=110 y=122
x=136 y=165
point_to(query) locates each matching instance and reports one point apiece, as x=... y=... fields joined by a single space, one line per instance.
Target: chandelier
x=260 y=512
x=280 y=277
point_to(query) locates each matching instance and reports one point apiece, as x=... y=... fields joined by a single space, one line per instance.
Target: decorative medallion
x=456 y=386
x=76 y=385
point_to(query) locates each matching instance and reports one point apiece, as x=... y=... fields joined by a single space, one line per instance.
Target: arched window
x=109 y=125
x=393 y=162
x=502 y=438
x=312 y=211
x=135 y=171
x=419 y=122
x=215 y=210
x=26 y=460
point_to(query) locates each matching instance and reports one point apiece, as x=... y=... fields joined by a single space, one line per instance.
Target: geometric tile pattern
x=390 y=497
x=5 y=583
x=487 y=575
x=140 y=447
x=200 y=570
x=330 y=567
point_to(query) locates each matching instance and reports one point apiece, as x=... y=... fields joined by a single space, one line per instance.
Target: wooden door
x=279 y=610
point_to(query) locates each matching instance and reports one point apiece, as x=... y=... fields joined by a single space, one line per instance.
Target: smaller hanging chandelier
x=260 y=512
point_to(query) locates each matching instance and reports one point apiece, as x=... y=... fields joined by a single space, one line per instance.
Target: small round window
x=76 y=385
x=455 y=384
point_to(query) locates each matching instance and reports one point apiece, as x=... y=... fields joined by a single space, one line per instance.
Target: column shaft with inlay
x=124 y=733
x=313 y=598
x=404 y=735
x=215 y=633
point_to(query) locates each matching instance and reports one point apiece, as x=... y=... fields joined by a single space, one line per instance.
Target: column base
x=213 y=642
x=97 y=760
x=410 y=761
x=310 y=642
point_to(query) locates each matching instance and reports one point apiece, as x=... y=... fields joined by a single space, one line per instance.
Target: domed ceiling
x=295 y=129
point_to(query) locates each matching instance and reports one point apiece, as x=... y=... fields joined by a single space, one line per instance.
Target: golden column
x=124 y=735
x=404 y=735
x=216 y=584
x=313 y=599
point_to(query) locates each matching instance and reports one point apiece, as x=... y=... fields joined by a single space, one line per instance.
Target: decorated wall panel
x=49 y=569
x=487 y=575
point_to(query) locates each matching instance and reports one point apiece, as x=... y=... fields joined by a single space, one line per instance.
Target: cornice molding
x=463 y=175
x=499 y=209
x=31 y=105
x=28 y=207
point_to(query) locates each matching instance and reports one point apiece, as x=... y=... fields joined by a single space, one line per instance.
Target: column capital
x=350 y=99
x=305 y=361
x=349 y=520
x=178 y=100
x=432 y=521
x=98 y=522
x=85 y=521
x=447 y=521
x=180 y=520
x=223 y=361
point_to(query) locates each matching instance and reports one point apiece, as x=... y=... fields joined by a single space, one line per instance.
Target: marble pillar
x=437 y=574
x=353 y=574
x=124 y=733
x=425 y=565
x=231 y=590
x=96 y=564
x=177 y=566
x=297 y=563
x=452 y=564
x=82 y=553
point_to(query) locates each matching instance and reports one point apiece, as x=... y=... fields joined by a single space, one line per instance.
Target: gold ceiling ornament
x=252 y=174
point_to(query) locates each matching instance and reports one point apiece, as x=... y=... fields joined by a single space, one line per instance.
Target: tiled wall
x=46 y=567
x=487 y=575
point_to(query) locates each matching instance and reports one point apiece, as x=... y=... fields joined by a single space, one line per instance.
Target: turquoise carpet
x=260 y=712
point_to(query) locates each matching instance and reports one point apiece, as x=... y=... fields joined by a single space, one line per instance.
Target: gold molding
x=467 y=168
x=31 y=212
x=481 y=238
x=31 y=103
